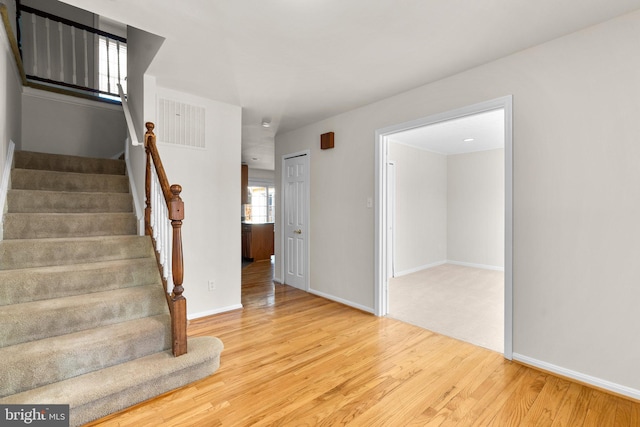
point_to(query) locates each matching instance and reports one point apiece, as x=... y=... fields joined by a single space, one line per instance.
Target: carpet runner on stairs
x=84 y=320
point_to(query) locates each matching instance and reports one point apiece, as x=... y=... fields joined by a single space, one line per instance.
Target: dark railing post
x=147 y=178
x=178 y=321
x=19 y=26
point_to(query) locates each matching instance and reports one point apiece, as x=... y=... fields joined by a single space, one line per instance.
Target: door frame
x=381 y=159
x=307 y=203
x=391 y=210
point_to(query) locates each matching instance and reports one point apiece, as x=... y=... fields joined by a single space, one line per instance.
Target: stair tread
x=31 y=179
x=46 y=161
x=67 y=214
x=43 y=201
x=99 y=393
x=38 y=283
x=75 y=239
x=53 y=359
x=94 y=309
x=63 y=192
x=69 y=173
x=53 y=224
x=21 y=253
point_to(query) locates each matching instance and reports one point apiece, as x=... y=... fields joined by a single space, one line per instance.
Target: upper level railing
x=59 y=52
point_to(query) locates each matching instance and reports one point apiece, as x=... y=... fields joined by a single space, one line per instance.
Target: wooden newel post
x=179 y=317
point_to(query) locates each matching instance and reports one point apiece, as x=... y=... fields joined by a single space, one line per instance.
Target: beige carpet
x=461 y=302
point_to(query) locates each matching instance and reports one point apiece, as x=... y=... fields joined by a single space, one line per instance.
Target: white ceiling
x=485 y=129
x=299 y=61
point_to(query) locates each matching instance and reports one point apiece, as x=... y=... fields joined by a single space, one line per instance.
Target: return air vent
x=180 y=124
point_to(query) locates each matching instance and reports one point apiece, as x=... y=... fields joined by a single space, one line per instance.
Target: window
x=261 y=205
x=112 y=67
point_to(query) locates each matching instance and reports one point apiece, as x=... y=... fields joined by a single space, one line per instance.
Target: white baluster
x=35 y=46
x=108 y=67
x=73 y=54
x=152 y=196
x=170 y=252
x=61 y=52
x=46 y=24
x=118 y=59
x=165 y=219
x=86 y=59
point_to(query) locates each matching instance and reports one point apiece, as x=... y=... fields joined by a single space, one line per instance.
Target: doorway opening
x=451 y=219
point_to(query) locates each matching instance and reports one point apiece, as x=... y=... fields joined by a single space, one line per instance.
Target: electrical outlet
x=212 y=285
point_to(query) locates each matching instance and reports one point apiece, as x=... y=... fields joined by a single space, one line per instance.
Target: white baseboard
x=214 y=311
x=342 y=301
x=470 y=264
x=420 y=268
x=278 y=280
x=580 y=377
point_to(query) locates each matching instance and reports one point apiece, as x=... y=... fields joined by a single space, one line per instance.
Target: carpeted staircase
x=83 y=316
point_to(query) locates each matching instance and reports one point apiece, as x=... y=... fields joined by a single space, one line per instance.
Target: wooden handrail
x=175 y=208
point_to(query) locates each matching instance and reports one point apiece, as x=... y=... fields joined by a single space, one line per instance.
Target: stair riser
x=26 y=285
x=25 y=179
x=32 y=365
x=61 y=316
x=33 y=201
x=43 y=226
x=126 y=384
x=56 y=162
x=17 y=254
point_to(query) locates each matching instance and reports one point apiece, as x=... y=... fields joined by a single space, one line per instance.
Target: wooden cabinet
x=257 y=241
x=244 y=184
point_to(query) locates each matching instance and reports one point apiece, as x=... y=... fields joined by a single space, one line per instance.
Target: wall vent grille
x=181 y=124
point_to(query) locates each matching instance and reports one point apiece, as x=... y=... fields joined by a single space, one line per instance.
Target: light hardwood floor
x=292 y=358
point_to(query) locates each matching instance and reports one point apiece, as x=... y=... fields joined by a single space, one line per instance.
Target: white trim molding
x=382 y=137
x=133 y=189
x=578 y=376
x=68 y=99
x=419 y=268
x=342 y=301
x=214 y=311
x=482 y=266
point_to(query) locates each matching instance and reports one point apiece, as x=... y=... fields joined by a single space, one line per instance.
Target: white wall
x=210 y=179
x=10 y=101
x=576 y=206
x=11 y=12
x=261 y=176
x=421 y=207
x=82 y=127
x=10 y=98
x=63 y=10
x=475 y=208
x=142 y=48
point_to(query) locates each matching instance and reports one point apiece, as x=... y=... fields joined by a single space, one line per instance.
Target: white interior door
x=295 y=183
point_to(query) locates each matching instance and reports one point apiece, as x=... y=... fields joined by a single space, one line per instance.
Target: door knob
x=297 y=231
